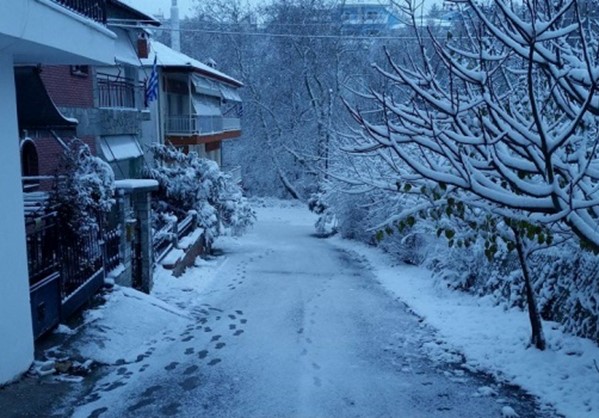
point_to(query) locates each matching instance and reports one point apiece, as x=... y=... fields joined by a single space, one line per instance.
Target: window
x=80 y=70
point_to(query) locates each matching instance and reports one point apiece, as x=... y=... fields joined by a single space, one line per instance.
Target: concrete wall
x=41 y=31
x=16 y=342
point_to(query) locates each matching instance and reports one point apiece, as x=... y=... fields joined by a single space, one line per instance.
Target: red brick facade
x=67 y=89
x=49 y=152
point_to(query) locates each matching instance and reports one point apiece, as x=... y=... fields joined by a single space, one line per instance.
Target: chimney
x=175 y=27
x=142 y=45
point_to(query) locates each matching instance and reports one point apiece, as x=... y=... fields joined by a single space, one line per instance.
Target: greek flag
x=152 y=85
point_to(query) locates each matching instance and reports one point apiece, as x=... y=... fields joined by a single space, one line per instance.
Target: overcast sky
x=153 y=7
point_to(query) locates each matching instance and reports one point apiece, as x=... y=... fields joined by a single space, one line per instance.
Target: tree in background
x=502 y=119
x=296 y=61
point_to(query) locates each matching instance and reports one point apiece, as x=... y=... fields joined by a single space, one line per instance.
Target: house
x=106 y=101
x=367 y=17
x=101 y=106
x=198 y=106
x=83 y=39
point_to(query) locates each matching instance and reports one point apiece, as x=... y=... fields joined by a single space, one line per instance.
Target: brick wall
x=66 y=89
x=49 y=152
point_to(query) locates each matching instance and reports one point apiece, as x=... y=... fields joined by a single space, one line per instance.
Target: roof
x=118 y=11
x=35 y=108
x=169 y=58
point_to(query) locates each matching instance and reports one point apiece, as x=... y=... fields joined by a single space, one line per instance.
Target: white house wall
x=31 y=32
x=16 y=343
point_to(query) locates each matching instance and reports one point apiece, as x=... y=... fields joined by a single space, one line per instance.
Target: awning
x=205 y=106
x=230 y=93
x=35 y=108
x=204 y=86
x=120 y=147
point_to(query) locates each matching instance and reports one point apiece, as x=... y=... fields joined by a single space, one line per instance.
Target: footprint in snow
x=171 y=366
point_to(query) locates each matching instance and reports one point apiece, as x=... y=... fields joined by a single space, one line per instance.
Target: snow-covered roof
x=168 y=57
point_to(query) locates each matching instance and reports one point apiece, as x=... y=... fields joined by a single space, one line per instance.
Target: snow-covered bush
x=188 y=182
x=564 y=278
x=326 y=225
x=83 y=190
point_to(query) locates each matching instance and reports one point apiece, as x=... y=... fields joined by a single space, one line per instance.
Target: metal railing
x=80 y=259
x=42 y=249
x=184 y=125
x=112 y=253
x=231 y=124
x=170 y=234
x=115 y=92
x=196 y=124
x=234 y=172
x=93 y=9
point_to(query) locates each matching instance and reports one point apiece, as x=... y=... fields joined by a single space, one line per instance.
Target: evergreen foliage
x=188 y=182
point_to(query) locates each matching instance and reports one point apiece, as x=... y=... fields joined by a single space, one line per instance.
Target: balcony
x=194 y=125
x=231 y=124
x=115 y=92
x=201 y=125
x=92 y=9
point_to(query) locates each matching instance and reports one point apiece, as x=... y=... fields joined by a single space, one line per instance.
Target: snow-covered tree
x=83 y=190
x=292 y=94
x=501 y=118
x=506 y=115
x=188 y=182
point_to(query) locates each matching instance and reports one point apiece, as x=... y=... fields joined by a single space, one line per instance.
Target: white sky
x=153 y=7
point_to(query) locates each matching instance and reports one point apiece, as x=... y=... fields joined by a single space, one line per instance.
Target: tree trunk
x=537 y=338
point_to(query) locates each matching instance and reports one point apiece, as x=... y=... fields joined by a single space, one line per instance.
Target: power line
x=286 y=35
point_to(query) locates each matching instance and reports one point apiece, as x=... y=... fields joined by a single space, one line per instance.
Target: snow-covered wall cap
x=168 y=57
x=136 y=185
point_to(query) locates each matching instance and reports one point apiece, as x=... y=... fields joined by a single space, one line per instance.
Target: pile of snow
x=119 y=329
x=494 y=339
x=189 y=286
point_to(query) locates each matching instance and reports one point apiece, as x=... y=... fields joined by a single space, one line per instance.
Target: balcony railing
x=115 y=92
x=93 y=9
x=231 y=124
x=194 y=125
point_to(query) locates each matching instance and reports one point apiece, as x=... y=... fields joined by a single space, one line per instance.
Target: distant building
x=198 y=106
x=450 y=6
x=367 y=17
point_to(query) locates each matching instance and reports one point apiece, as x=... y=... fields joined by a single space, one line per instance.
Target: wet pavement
x=292 y=327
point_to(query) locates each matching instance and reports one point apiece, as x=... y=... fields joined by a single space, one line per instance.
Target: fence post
x=175 y=233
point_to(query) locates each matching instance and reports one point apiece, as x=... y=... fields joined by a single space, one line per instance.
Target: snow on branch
x=507 y=115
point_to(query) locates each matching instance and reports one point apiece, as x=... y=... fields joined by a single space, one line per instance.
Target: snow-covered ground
x=496 y=340
x=295 y=308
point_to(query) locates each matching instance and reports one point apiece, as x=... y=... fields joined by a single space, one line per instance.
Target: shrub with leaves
x=84 y=190
x=188 y=182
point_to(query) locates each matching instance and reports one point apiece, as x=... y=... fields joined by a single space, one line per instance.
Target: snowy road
x=292 y=326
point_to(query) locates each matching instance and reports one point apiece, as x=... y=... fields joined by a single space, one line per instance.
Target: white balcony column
x=189 y=102
x=16 y=343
